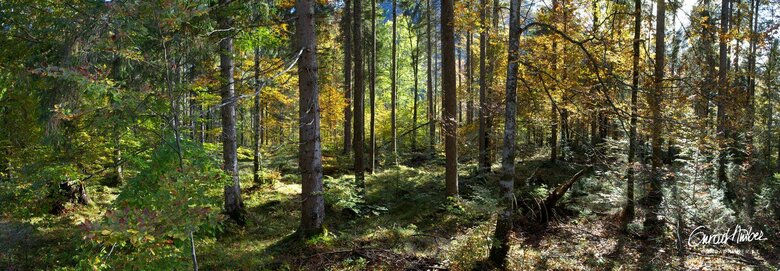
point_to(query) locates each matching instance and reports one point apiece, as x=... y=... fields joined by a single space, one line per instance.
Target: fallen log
x=548 y=205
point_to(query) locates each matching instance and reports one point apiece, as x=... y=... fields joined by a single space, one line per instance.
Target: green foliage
x=343 y=195
x=149 y=224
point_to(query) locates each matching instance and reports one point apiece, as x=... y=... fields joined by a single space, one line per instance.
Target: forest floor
x=404 y=223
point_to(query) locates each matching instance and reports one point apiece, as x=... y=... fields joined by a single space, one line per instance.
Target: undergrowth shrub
x=148 y=226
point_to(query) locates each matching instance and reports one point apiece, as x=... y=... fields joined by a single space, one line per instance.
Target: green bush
x=149 y=224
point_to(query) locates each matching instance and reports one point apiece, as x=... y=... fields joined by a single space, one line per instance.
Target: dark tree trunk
x=429 y=86
x=703 y=98
x=449 y=97
x=393 y=86
x=257 y=120
x=310 y=152
x=484 y=148
x=359 y=97
x=372 y=137
x=469 y=80
x=629 y=211
x=234 y=207
x=346 y=28
x=553 y=132
x=723 y=92
x=654 y=195
x=768 y=95
x=415 y=68
x=554 y=108
x=500 y=248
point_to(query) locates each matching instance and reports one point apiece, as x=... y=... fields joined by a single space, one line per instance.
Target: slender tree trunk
x=449 y=97
x=460 y=76
x=768 y=95
x=469 y=77
x=554 y=108
x=553 y=132
x=393 y=86
x=723 y=91
x=346 y=29
x=415 y=68
x=257 y=121
x=629 y=211
x=752 y=73
x=234 y=207
x=500 y=248
x=357 y=31
x=703 y=99
x=310 y=152
x=751 y=177
x=654 y=195
x=429 y=86
x=484 y=152
x=372 y=137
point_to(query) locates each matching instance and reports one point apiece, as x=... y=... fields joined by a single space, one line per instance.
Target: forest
x=389 y=135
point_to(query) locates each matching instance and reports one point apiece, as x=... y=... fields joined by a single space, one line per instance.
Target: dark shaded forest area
x=389 y=135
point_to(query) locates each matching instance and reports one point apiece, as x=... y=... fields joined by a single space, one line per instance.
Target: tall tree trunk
x=654 y=195
x=393 y=86
x=629 y=211
x=768 y=96
x=429 y=86
x=234 y=207
x=484 y=152
x=372 y=137
x=750 y=185
x=415 y=68
x=460 y=76
x=449 y=97
x=310 y=152
x=553 y=131
x=723 y=91
x=703 y=98
x=752 y=73
x=357 y=31
x=500 y=248
x=346 y=29
x=258 y=119
x=554 y=108
x=469 y=77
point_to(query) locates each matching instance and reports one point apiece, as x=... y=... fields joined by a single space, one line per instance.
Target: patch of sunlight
x=470 y=247
x=287 y=189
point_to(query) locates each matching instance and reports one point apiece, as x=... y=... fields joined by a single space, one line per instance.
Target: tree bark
x=770 y=86
x=553 y=131
x=415 y=68
x=258 y=120
x=393 y=86
x=234 y=207
x=357 y=31
x=723 y=91
x=310 y=152
x=429 y=86
x=654 y=195
x=372 y=87
x=346 y=28
x=484 y=149
x=629 y=210
x=449 y=97
x=554 y=110
x=500 y=248
x=469 y=80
